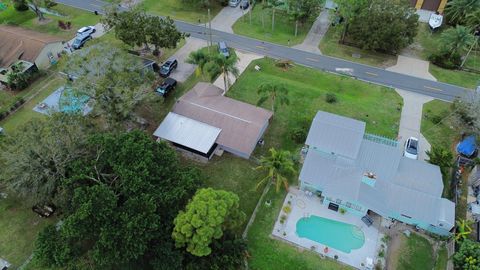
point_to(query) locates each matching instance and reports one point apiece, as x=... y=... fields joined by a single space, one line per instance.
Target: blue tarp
x=467 y=146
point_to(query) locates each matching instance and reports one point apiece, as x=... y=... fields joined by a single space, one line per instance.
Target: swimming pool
x=70 y=102
x=338 y=235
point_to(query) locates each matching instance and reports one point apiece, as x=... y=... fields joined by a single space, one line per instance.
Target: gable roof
x=18 y=43
x=336 y=134
x=241 y=123
x=188 y=132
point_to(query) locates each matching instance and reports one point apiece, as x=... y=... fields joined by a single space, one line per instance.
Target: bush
x=299 y=134
x=436 y=119
x=287 y=209
x=331 y=98
x=342 y=211
x=61 y=25
x=445 y=60
x=20 y=5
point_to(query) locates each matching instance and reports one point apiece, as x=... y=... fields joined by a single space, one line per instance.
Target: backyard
x=259 y=26
x=29 y=20
x=413 y=252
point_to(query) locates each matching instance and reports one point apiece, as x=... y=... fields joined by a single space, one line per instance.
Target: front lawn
x=417 y=253
x=438 y=126
x=378 y=106
x=442 y=258
x=181 y=10
x=28 y=19
x=260 y=27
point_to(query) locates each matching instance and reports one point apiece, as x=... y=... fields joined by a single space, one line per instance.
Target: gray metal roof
x=336 y=134
x=187 y=132
x=402 y=185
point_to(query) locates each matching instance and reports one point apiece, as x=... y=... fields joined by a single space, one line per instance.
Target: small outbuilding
x=203 y=121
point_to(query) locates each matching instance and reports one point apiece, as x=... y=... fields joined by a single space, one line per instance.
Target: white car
x=411 y=148
x=86 y=30
x=233 y=3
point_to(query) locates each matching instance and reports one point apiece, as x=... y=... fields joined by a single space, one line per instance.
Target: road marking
x=432 y=88
x=312 y=59
x=261 y=47
x=371 y=74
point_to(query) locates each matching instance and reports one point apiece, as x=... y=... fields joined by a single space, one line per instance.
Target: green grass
x=267 y=253
x=442 y=258
x=417 y=254
x=44 y=88
x=28 y=19
x=331 y=47
x=262 y=29
x=457 y=77
x=443 y=133
x=18 y=230
x=181 y=10
x=377 y=106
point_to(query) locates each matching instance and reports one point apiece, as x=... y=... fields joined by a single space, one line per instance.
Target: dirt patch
x=395 y=247
x=43 y=22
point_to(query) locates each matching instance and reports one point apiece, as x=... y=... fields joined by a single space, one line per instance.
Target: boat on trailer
x=435 y=21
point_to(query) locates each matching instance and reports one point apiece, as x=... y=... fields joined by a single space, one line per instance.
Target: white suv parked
x=88 y=30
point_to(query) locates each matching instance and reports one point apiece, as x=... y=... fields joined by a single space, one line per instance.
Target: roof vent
x=370 y=175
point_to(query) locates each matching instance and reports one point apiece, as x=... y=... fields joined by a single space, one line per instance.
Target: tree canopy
x=124 y=194
x=303 y=10
x=206 y=217
x=279 y=165
x=468 y=256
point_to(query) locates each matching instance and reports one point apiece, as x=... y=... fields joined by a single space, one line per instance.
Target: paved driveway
x=411 y=117
x=316 y=33
x=226 y=18
x=184 y=70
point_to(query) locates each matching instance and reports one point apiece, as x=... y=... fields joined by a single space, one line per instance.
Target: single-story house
x=204 y=122
x=363 y=173
x=18 y=43
x=431 y=5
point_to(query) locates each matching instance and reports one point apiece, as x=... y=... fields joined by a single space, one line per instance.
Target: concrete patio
x=303 y=205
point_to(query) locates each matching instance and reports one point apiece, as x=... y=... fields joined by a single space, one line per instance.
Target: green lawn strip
x=262 y=29
x=28 y=19
x=377 y=106
x=44 y=88
x=331 y=47
x=268 y=253
x=181 y=10
x=442 y=258
x=417 y=254
x=18 y=230
x=456 y=77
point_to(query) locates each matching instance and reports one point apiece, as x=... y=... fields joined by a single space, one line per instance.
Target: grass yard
x=261 y=27
x=378 y=106
x=457 y=77
x=442 y=258
x=28 y=19
x=41 y=89
x=417 y=253
x=181 y=10
x=331 y=47
x=18 y=230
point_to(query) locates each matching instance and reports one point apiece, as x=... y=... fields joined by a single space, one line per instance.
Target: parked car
x=86 y=30
x=44 y=210
x=168 y=67
x=244 y=4
x=223 y=49
x=411 y=148
x=80 y=41
x=233 y=3
x=166 y=87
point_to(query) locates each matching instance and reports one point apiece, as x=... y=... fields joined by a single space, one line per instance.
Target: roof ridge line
x=226 y=114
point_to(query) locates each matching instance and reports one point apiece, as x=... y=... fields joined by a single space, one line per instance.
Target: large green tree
x=36 y=156
x=468 y=256
x=303 y=10
x=384 y=25
x=456 y=40
x=441 y=157
x=116 y=81
x=457 y=11
x=207 y=216
x=124 y=194
x=279 y=166
x=276 y=92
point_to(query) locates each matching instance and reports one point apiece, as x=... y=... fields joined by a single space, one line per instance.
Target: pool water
x=338 y=235
x=70 y=102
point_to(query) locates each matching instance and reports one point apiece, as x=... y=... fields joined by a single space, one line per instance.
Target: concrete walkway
x=411 y=116
x=227 y=17
x=316 y=33
x=184 y=70
x=244 y=59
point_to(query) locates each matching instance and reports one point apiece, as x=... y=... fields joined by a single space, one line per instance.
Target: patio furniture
x=43 y=106
x=367 y=220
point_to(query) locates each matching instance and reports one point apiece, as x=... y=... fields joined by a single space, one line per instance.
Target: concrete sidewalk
x=316 y=33
x=244 y=59
x=411 y=117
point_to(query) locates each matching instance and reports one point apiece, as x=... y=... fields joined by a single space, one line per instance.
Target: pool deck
x=51 y=104
x=302 y=206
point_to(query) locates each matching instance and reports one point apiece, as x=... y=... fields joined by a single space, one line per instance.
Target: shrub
x=282 y=219
x=69 y=25
x=299 y=134
x=287 y=209
x=342 y=211
x=381 y=254
x=446 y=60
x=62 y=25
x=20 y=5
x=436 y=119
x=331 y=98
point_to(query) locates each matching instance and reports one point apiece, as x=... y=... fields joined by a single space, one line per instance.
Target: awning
x=187 y=132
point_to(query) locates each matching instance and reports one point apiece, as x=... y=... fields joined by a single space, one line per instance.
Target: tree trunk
x=273 y=20
x=344 y=33
x=296 y=28
x=39 y=13
x=225 y=81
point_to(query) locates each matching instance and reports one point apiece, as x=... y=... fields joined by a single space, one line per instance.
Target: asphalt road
x=370 y=74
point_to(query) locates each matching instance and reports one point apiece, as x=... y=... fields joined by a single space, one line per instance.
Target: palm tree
x=278 y=164
x=463 y=229
x=457 y=10
x=456 y=40
x=220 y=64
x=199 y=58
x=274 y=91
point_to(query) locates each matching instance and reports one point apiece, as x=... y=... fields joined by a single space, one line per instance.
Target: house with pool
x=366 y=175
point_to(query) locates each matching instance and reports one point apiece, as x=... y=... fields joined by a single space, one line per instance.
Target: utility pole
x=273 y=19
x=477 y=35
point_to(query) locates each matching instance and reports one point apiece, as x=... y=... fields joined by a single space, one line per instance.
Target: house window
x=405 y=216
